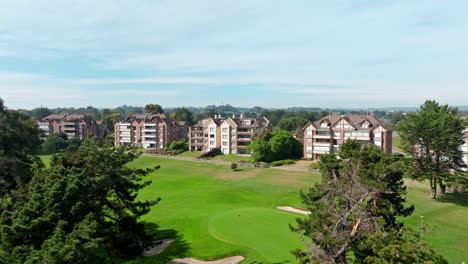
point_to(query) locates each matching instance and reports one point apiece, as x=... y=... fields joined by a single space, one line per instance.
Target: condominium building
x=231 y=135
x=74 y=125
x=464 y=147
x=149 y=131
x=329 y=133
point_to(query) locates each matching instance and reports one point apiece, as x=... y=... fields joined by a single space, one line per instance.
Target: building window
x=212 y=143
x=225 y=143
x=211 y=129
x=225 y=130
x=346 y=126
x=365 y=125
x=247 y=122
x=225 y=136
x=324 y=124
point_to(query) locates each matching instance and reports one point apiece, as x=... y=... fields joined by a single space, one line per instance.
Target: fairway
x=215 y=212
x=220 y=212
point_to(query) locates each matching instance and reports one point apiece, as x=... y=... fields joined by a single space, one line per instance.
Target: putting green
x=259 y=229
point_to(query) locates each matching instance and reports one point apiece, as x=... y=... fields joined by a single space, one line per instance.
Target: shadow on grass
x=460 y=199
x=177 y=249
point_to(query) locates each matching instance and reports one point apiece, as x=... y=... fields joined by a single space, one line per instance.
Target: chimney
x=233 y=116
x=242 y=115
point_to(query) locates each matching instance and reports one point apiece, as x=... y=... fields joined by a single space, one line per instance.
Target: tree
x=153 y=109
x=40 y=113
x=432 y=135
x=278 y=145
x=355 y=206
x=54 y=144
x=83 y=209
x=179 y=145
x=292 y=123
x=395 y=117
x=182 y=114
x=19 y=141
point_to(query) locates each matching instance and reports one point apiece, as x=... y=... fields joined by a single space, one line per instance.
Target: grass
x=232 y=158
x=396 y=141
x=215 y=212
x=190 y=154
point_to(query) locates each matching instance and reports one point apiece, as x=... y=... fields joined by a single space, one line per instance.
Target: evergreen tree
x=83 y=209
x=360 y=196
x=19 y=140
x=432 y=135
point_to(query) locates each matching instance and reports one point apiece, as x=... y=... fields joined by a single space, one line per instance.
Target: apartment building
x=231 y=135
x=149 y=131
x=74 y=125
x=464 y=147
x=329 y=133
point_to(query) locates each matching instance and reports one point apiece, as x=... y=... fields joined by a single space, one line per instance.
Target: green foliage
x=182 y=114
x=291 y=124
x=234 y=166
x=360 y=195
x=82 y=209
x=278 y=163
x=315 y=165
x=400 y=246
x=153 y=109
x=40 y=113
x=59 y=142
x=278 y=145
x=432 y=136
x=19 y=140
x=179 y=146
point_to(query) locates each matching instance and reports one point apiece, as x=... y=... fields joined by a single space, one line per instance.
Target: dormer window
x=365 y=125
x=247 y=122
x=324 y=124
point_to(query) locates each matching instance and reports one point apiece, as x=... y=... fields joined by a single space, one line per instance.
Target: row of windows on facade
x=346 y=134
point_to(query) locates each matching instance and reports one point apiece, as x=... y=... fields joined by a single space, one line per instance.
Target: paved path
x=231 y=260
x=293 y=210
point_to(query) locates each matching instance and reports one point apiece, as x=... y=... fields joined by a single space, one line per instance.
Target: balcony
x=244 y=139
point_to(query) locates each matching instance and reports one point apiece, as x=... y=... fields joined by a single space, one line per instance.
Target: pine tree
x=432 y=135
x=361 y=195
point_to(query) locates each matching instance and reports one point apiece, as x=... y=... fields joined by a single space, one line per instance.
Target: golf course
x=214 y=212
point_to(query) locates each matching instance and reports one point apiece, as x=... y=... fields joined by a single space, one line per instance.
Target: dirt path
x=231 y=260
x=293 y=210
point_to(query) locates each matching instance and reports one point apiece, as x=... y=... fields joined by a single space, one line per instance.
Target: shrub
x=315 y=165
x=282 y=162
x=234 y=166
x=178 y=145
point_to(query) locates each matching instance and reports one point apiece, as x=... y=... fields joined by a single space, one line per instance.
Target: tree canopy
x=182 y=114
x=83 y=209
x=355 y=209
x=153 y=109
x=432 y=135
x=19 y=141
x=277 y=145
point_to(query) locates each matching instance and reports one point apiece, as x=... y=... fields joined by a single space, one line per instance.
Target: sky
x=347 y=53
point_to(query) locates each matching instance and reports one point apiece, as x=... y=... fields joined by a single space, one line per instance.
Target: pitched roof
x=55 y=117
x=354 y=120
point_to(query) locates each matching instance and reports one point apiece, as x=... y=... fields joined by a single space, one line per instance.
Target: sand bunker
x=231 y=260
x=293 y=210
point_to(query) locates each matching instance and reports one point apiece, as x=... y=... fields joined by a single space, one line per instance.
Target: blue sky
x=245 y=53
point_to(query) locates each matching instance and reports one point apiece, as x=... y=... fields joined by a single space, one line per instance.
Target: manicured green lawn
x=220 y=213
x=215 y=212
x=45 y=159
x=232 y=158
x=190 y=154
